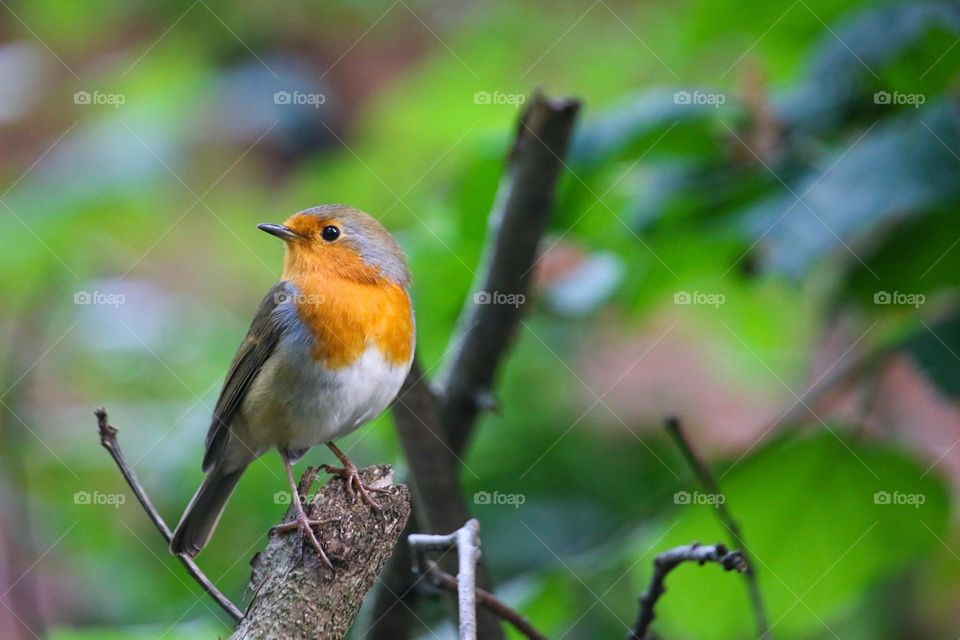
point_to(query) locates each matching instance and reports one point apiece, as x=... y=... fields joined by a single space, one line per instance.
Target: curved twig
x=443 y=580
x=108 y=438
x=670 y=560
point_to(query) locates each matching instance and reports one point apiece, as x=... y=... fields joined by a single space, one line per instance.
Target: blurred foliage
x=788 y=498
x=798 y=160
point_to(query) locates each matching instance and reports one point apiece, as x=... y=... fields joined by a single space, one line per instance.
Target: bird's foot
x=305 y=526
x=354 y=484
x=293 y=525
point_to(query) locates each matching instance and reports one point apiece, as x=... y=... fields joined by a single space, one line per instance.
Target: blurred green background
x=758 y=232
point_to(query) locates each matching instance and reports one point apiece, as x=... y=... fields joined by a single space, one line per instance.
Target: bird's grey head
x=345 y=227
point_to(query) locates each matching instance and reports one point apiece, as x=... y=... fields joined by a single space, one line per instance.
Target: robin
x=327 y=351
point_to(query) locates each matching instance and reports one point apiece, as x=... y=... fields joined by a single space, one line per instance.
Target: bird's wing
x=264 y=334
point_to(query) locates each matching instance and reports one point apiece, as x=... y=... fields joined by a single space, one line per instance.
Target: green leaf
x=900 y=168
x=876 y=36
x=824 y=519
x=643 y=120
x=847 y=59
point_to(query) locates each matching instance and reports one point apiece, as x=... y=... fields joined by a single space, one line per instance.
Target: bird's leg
x=351 y=477
x=302 y=522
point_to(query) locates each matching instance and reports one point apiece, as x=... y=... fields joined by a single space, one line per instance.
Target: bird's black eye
x=330 y=233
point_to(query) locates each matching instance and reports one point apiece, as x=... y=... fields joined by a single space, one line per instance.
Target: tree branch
x=108 y=439
x=294 y=596
x=703 y=473
x=516 y=224
x=435 y=430
x=392 y=613
x=670 y=560
x=435 y=483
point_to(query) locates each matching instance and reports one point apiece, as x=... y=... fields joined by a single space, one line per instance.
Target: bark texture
x=295 y=596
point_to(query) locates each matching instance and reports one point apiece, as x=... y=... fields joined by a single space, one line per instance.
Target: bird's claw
x=305 y=526
x=354 y=484
x=286 y=527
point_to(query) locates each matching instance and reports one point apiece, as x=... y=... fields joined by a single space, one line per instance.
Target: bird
x=327 y=351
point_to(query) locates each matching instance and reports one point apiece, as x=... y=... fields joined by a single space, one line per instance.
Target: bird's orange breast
x=346 y=317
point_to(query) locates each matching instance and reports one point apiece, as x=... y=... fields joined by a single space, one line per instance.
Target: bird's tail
x=204 y=511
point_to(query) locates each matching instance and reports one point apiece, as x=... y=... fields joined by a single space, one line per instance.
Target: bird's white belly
x=296 y=403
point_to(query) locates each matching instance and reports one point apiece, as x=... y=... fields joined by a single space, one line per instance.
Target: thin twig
x=669 y=560
x=108 y=438
x=466 y=541
x=468 y=553
x=703 y=473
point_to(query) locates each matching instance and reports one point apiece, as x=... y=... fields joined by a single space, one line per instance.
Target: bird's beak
x=279 y=230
